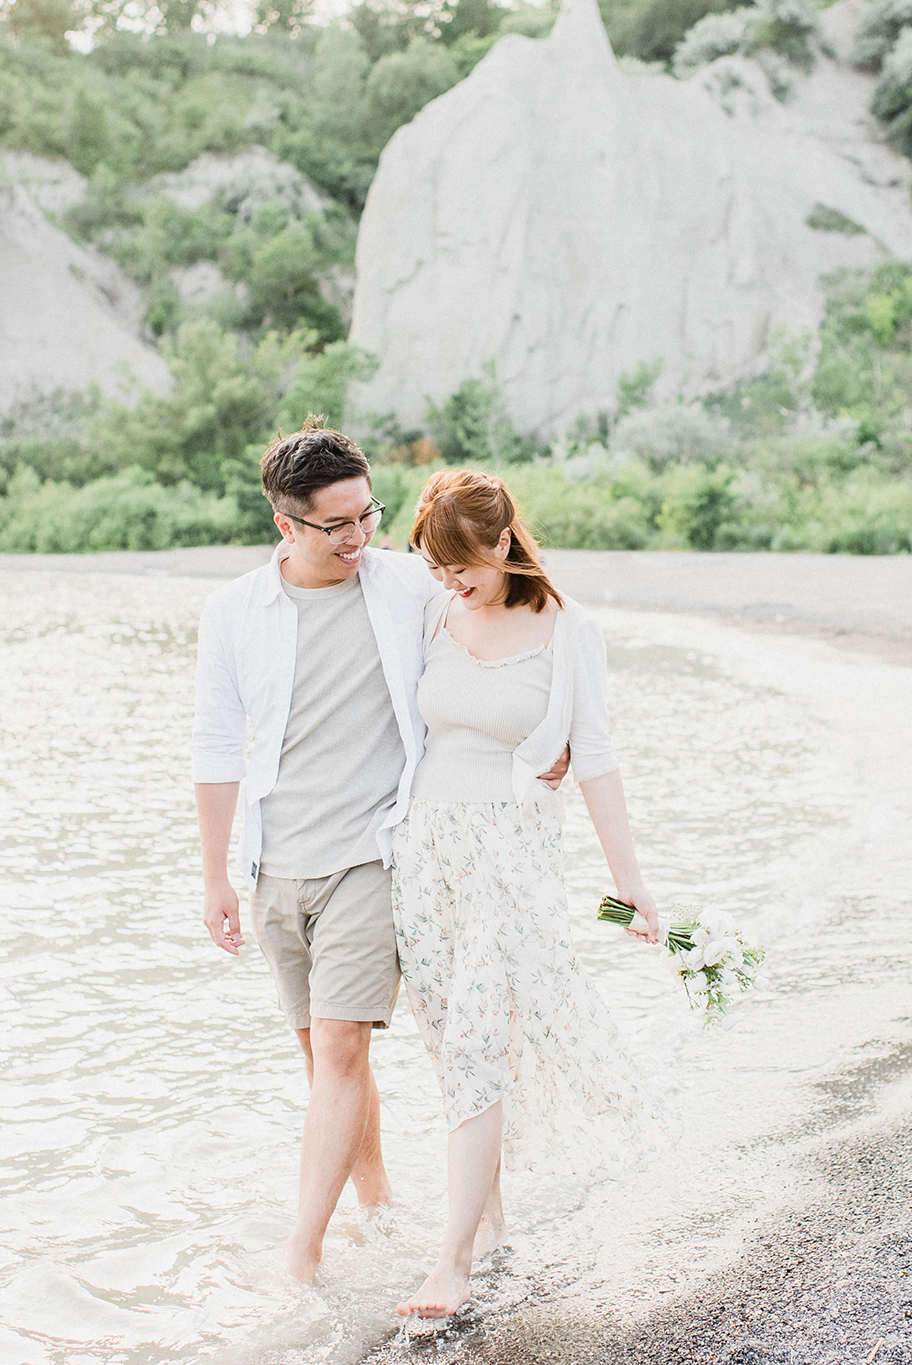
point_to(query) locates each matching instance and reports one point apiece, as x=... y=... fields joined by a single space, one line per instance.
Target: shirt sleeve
x=591 y=751
x=220 y=725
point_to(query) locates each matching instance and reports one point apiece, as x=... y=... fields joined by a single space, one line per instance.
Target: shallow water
x=153 y=1096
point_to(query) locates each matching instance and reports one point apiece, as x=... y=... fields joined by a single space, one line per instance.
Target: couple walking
x=400 y=815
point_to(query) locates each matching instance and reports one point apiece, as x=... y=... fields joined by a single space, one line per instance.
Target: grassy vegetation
x=816 y=454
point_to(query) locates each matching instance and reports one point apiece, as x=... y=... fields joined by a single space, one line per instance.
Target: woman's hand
x=604 y=797
x=641 y=900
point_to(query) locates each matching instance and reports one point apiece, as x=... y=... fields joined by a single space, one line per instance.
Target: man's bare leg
x=334 y=1131
x=368 y=1174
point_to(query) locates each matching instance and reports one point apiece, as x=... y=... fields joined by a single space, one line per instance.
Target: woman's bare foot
x=491 y=1236
x=301 y=1260
x=441 y=1294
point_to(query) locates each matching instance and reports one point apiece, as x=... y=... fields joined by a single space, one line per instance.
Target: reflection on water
x=153 y=1097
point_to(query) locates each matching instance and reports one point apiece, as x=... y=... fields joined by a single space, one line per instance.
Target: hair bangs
x=448 y=537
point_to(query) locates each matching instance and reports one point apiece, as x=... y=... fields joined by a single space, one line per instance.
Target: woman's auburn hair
x=461 y=516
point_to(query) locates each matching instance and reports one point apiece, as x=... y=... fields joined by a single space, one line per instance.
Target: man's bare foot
x=440 y=1295
x=301 y=1259
x=369 y=1222
x=491 y=1236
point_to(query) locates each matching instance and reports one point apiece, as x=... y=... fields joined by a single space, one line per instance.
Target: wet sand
x=860 y=602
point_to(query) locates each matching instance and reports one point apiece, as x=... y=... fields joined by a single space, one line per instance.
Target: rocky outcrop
x=242 y=182
x=567 y=219
x=68 y=316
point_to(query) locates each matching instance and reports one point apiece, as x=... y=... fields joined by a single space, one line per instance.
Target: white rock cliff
x=568 y=219
x=68 y=316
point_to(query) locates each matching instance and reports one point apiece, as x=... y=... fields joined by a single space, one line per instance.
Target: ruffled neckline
x=443 y=632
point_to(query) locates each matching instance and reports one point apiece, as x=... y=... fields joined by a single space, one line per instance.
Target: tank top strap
x=434 y=614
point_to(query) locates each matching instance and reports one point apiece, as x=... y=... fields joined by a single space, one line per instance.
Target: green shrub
x=652 y=34
x=879 y=27
x=826 y=219
x=892 y=102
x=672 y=433
x=787 y=27
x=321 y=383
x=472 y=427
x=585 y=516
x=223 y=401
x=402 y=83
x=532 y=21
x=127 y=511
x=864 y=366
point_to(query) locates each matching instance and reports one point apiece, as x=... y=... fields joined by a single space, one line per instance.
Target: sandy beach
x=859 y=602
x=822 y=1274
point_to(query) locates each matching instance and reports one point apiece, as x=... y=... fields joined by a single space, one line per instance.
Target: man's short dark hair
x=296 y=467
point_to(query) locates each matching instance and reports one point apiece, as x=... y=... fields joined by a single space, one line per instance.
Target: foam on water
x=153 y=1097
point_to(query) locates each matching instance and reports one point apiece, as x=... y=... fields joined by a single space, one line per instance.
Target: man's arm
x=558 y=770
x=216 y=803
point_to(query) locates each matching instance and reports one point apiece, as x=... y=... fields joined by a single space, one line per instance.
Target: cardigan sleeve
x=591 y=750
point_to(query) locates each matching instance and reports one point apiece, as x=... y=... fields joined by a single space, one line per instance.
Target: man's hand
x=558 y=771
x=221 y=917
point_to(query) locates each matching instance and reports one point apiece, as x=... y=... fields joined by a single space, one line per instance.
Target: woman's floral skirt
x=503 y=1003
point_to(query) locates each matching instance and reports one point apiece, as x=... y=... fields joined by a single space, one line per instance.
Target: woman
x=523 y=1046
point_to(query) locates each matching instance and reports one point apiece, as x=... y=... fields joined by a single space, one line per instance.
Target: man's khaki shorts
x=330 y=944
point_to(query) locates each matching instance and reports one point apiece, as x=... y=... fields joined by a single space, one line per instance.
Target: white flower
x=719 y=949
x=720 y=924
x=693 y=959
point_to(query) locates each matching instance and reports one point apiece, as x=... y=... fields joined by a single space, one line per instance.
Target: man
x=321 y=650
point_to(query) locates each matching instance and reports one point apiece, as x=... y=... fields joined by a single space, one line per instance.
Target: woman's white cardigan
x=577 y=707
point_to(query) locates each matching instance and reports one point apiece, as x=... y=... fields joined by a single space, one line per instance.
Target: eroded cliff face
x=68 y=316
x=568 y=219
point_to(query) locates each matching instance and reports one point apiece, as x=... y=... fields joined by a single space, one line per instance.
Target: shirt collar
x=274 y=576
x=274 y=587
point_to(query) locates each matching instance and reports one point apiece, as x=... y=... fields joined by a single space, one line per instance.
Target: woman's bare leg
x=492 y=1230
x=473 y=1157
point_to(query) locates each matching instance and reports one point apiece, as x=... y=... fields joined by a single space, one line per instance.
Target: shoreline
x=821 y=1281
x=856 y=602
x=828 y=1275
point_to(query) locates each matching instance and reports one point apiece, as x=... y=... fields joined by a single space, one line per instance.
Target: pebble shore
x=826 y=1282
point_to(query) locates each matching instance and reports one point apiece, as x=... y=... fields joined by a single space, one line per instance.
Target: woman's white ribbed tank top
x=477 y=712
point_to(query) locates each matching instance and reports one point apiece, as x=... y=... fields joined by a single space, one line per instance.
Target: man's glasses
x=341 y=534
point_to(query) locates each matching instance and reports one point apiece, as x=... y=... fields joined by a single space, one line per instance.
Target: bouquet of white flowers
x=705 y=950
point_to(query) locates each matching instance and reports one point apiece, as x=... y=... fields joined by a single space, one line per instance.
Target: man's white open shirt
x=247 y=650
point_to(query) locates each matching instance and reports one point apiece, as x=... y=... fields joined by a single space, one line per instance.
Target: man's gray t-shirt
x=342 y=754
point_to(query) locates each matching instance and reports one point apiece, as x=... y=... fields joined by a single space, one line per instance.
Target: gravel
x=825 y=1282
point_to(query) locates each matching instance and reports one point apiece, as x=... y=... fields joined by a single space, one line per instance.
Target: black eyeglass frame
x=376 y=511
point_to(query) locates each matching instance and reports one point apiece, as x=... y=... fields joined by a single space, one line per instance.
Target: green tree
x=478 y=17
x=321 y=384
x=42 y=20
x=634 y=390
x=283 y=16
x=473 y=426
x=652 y=33
x=221 y=403
x=404 y=82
